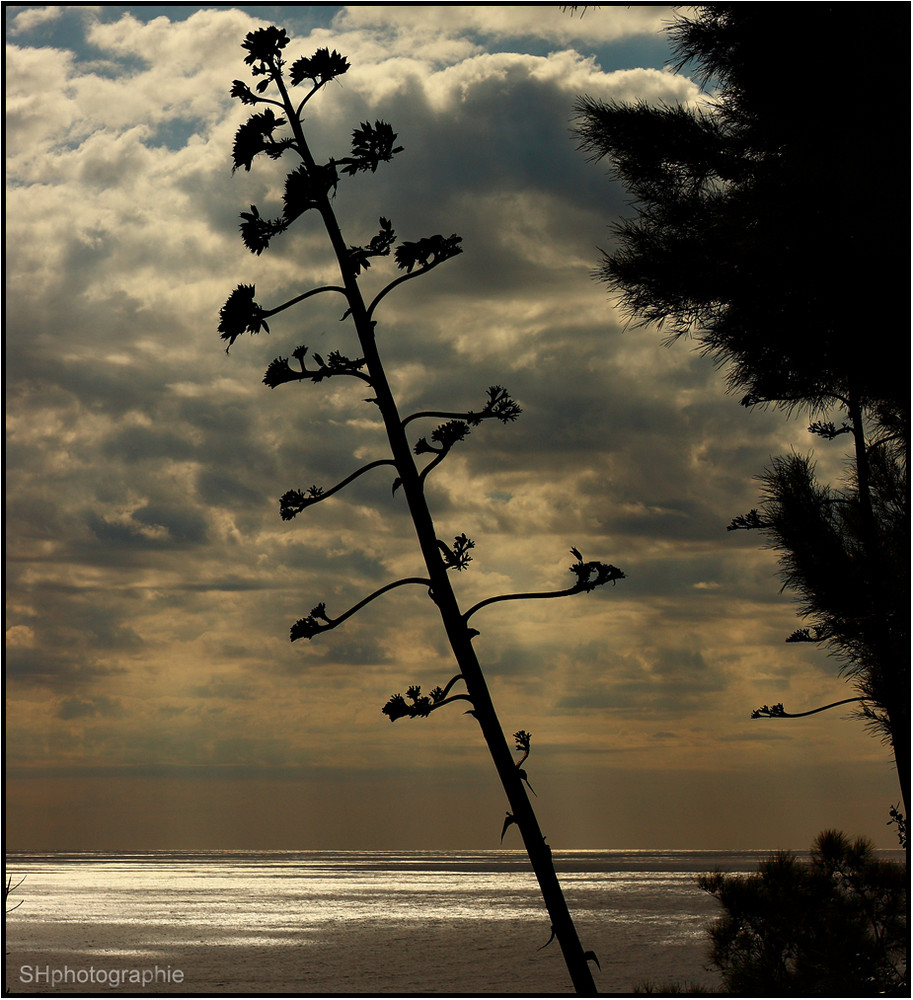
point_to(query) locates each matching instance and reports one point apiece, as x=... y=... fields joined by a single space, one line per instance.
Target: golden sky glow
x=153 y=697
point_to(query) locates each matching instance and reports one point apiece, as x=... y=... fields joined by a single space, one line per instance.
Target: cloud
x=408 y=26
x=151 y=581
x=80 y=708
x=31 y=18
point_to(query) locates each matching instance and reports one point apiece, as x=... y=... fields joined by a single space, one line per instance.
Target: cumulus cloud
x=507 y=23
x=28 y=19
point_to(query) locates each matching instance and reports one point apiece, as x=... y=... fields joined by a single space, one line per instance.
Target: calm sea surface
x=352 y=923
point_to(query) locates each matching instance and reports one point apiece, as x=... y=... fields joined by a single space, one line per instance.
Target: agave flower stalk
x=308 y=189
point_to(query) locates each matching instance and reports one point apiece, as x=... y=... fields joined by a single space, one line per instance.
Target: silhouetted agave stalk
x=308 y=188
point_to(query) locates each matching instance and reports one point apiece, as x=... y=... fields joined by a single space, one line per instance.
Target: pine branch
x=747 y=522
x=818 y=634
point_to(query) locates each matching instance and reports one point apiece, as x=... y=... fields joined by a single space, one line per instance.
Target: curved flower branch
x=589 y=576
x=318 y=621
x=419 y=258
x=778 y=712
x=422 y=705
x=241 y=314
x=523 y=739
x=379 y=246
x=500 y=405
x=458 y=557
x=280 y=372
x=445 y=437
x=294 y=501
x=747 y=522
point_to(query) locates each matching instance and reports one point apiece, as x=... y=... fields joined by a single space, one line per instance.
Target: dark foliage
x=293 y=502
x=458 y=556
x=444 y=437
x=427 y=252
x=499 y=405
x=418 y=707
x=320 y=68
x=745 y=236
x=856 y=601
x=380 y=246
x=305 y=189
x=591 y=575
x=371 y=146
x=315 y=623
x=257 y=232
x=241 y=314
x=263 y=47
x=255 y=136
x=280 y=371
x=835 y=926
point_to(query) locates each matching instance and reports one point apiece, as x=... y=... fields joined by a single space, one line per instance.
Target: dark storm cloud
x=139 y=444
x=656 y=681
x=80 y=708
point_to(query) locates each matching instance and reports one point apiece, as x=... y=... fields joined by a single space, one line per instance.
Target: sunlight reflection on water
x=230 y=893
x=327 y=918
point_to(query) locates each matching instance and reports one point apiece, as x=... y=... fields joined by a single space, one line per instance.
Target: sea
x=354 y=923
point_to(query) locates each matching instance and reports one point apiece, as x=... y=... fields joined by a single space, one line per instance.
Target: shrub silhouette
x=835 y=926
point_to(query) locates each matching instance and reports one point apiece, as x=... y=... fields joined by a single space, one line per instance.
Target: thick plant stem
x=461 y=643
x=896 y=693
x=458 y=633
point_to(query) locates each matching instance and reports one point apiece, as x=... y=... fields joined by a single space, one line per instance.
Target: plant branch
x=445 y=690
x=445 y=414
x=424 y=269
x=307 y=628
x=279 y=371
x=589 y=576
x=499 y=405
x=434 y=462
x=295 y=501
x=300 y=298
x=778 y=712
x=421 y=705
x=532 y=596
x=451 y=700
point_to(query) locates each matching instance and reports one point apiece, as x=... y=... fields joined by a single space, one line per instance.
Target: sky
x=153 y=698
